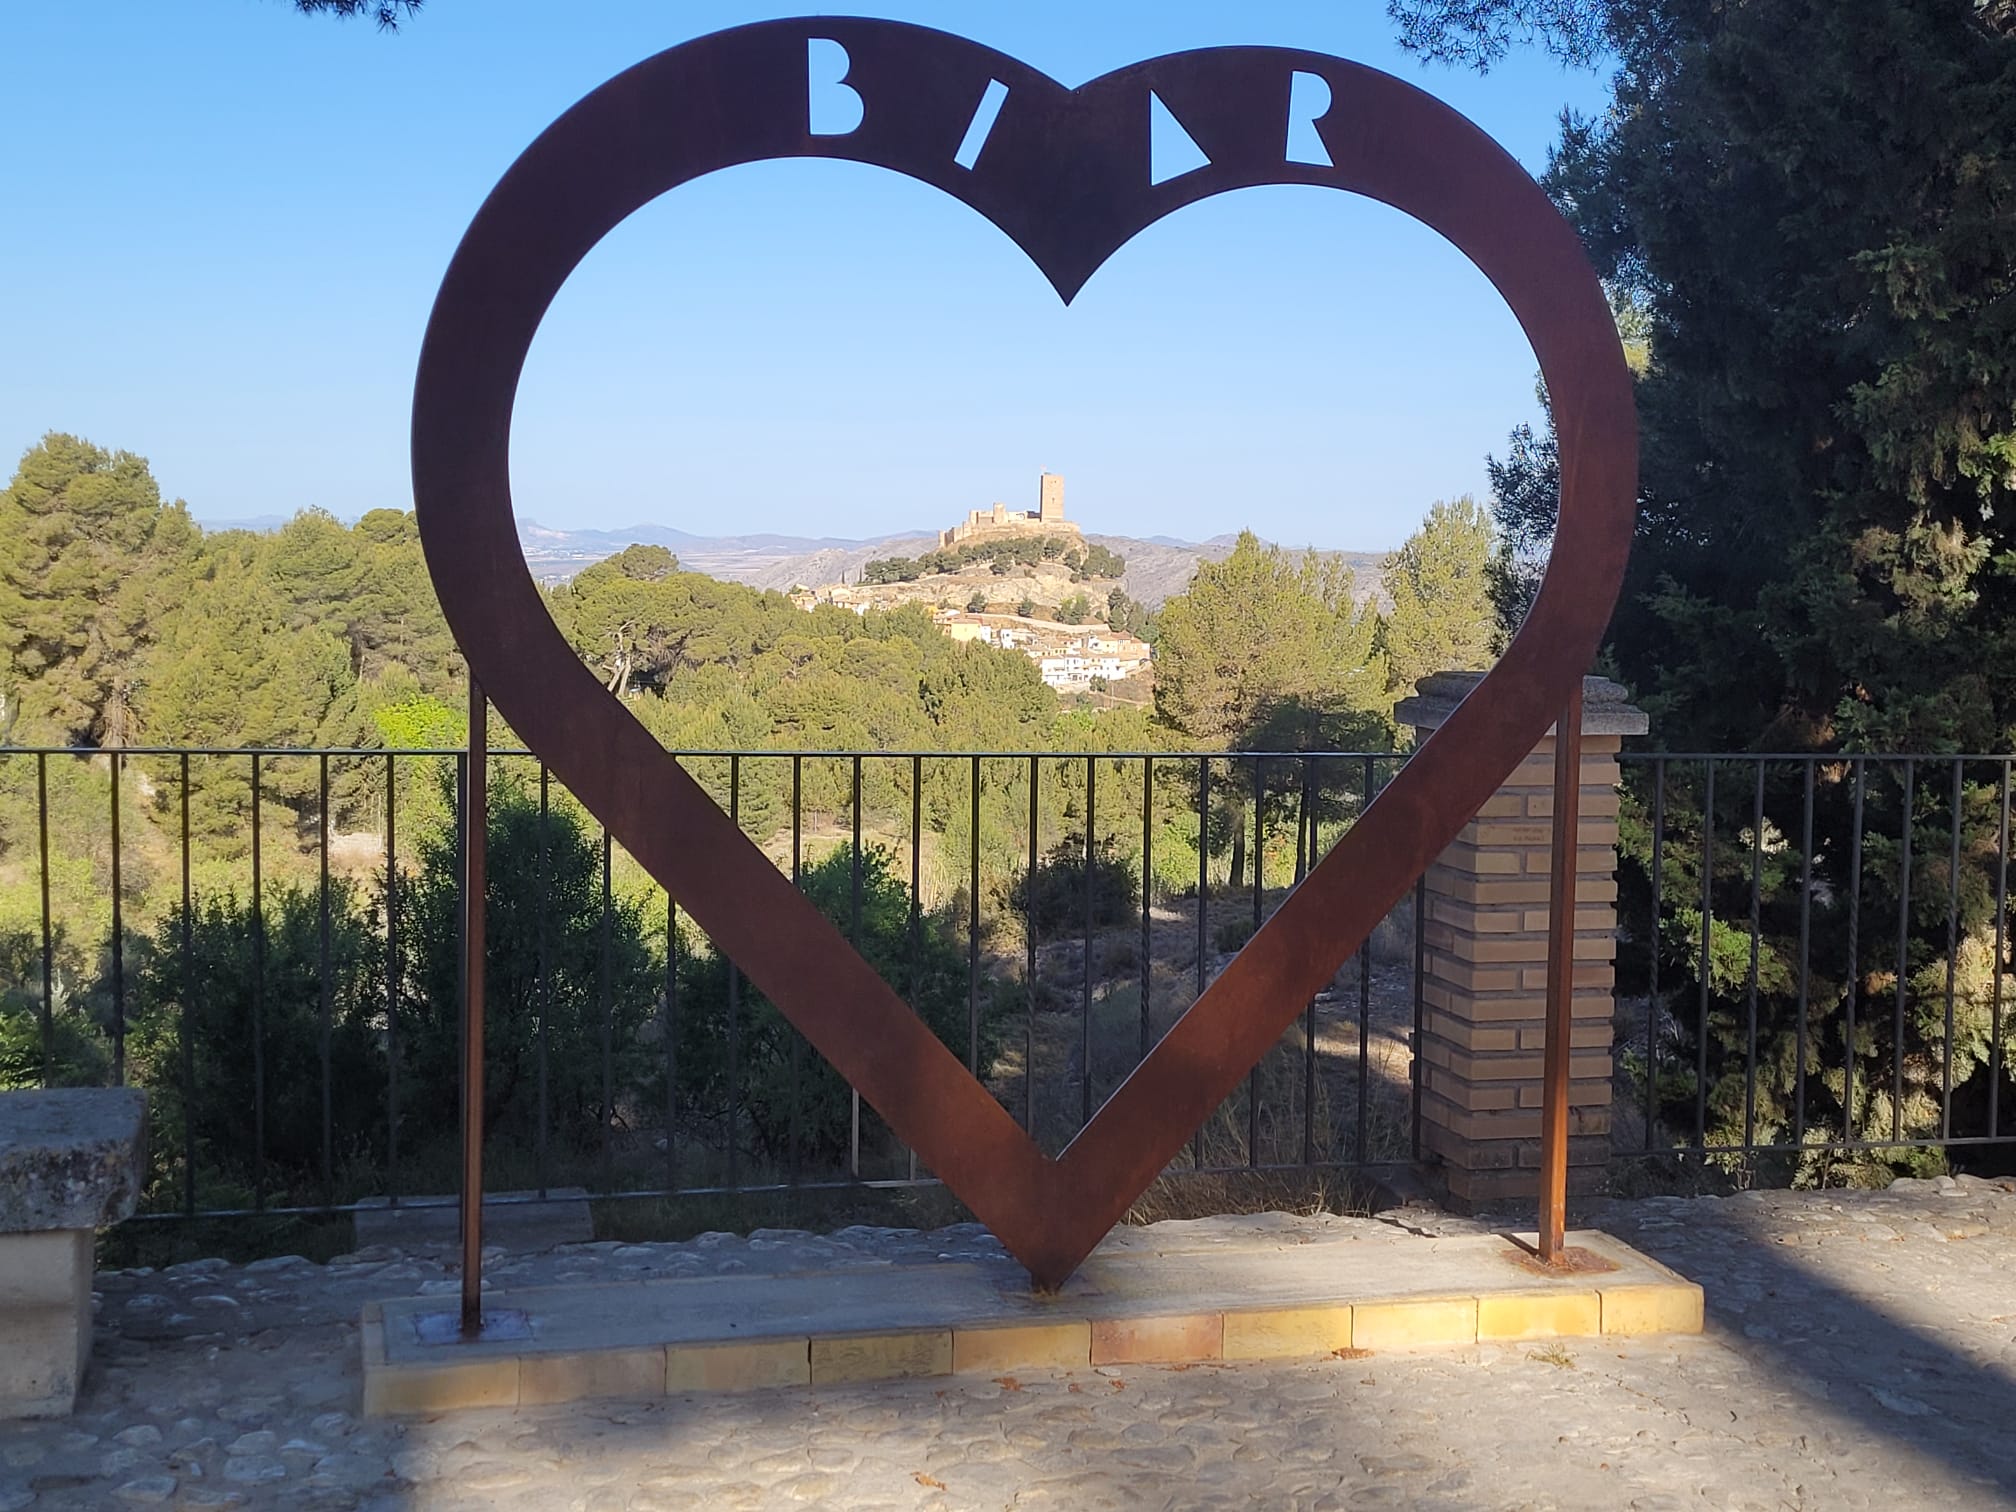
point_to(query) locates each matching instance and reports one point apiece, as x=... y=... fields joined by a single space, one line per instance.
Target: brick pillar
x=1485 y=974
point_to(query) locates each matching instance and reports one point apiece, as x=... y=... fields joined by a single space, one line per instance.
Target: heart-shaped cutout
x=1067 y=175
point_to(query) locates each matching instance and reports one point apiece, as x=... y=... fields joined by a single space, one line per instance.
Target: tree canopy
x=1810 y=206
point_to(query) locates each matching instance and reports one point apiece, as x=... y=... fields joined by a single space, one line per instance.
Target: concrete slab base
x=1130 y=1303
x=522 y=1222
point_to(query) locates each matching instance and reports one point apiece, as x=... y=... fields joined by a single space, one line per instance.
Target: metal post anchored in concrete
x=1561 y=902
x=476 y=830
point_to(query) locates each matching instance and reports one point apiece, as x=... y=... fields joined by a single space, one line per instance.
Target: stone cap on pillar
x=1606 y=706
x=71 y=1157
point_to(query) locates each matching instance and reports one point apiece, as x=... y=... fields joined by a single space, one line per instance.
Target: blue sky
x=226 y=224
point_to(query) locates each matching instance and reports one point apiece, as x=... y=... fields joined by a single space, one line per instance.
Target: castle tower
x=1050 y=498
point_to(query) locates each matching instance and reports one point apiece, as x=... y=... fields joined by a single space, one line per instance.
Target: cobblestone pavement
x=1861 y=1353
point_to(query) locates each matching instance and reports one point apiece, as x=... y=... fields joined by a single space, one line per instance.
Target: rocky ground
x=1861 y=1352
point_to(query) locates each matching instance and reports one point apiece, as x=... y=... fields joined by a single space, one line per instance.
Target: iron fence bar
x=1259 y=910
x=1654 y=1004
x=118 y=938
x=671 y=1022
x=1203 y=907
x=1707 y=925
x=475 y=912
x=1418 y=1032
x=734 y=1006
x=462 y=934
x=48 y=923
x=543 y=966
x=2001 y=920
x=1557 y=1068
x=324 y=985
x=1147 y=901
x=794 y=1158
x=1029 y=962
x=391 y=978
x=1756 y=931
x=1305 y=845
x=1805 y=957
x=258 y=1006
x=1952 y=958
x=1363 y=1133
x=973 y=929
x=854 y=938
x=188 y=1046
x=604 y=995
x=916 y=901
x=1854 y=951
x=1085 y=961
x=1907 y=828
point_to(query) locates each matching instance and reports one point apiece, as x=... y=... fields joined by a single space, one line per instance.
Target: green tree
x=1263 y=629
x=554 y=959
x=1802 y=210
x=978 y=603
x=89 y=559
x=1439 y=588
x=1075 y=610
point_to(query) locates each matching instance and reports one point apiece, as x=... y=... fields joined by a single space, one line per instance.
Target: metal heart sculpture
x=1066 y=173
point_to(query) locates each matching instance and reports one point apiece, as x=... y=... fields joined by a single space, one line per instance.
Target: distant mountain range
x=1158 y=567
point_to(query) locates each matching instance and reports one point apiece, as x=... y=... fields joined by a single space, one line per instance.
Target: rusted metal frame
x=1554 y=1084
x=1065 y=174
x=475 y=846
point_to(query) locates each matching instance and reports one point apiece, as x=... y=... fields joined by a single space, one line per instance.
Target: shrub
x=250 y=985
x=928 y=972
x=1053 y=898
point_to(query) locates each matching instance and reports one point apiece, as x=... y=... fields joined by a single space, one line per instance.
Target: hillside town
x=1024 y=580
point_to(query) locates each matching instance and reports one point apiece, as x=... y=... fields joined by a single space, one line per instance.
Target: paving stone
x=1875 y=1374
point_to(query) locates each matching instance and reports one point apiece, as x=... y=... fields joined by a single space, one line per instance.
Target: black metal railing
x=1813 y=958
x=1811 y=963
x=268 y=939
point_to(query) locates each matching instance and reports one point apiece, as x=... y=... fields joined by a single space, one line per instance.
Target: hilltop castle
x=984 y=524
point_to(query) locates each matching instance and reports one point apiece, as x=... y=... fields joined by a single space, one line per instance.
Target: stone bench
x=71 y=1162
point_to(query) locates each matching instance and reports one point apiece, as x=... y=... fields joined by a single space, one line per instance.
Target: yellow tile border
x=1643 y=1298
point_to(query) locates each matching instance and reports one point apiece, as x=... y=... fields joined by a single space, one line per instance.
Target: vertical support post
x=1560 y=981
x=476 y=831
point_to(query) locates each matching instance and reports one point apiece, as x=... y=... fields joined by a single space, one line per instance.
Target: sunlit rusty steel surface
x=1065 y=174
